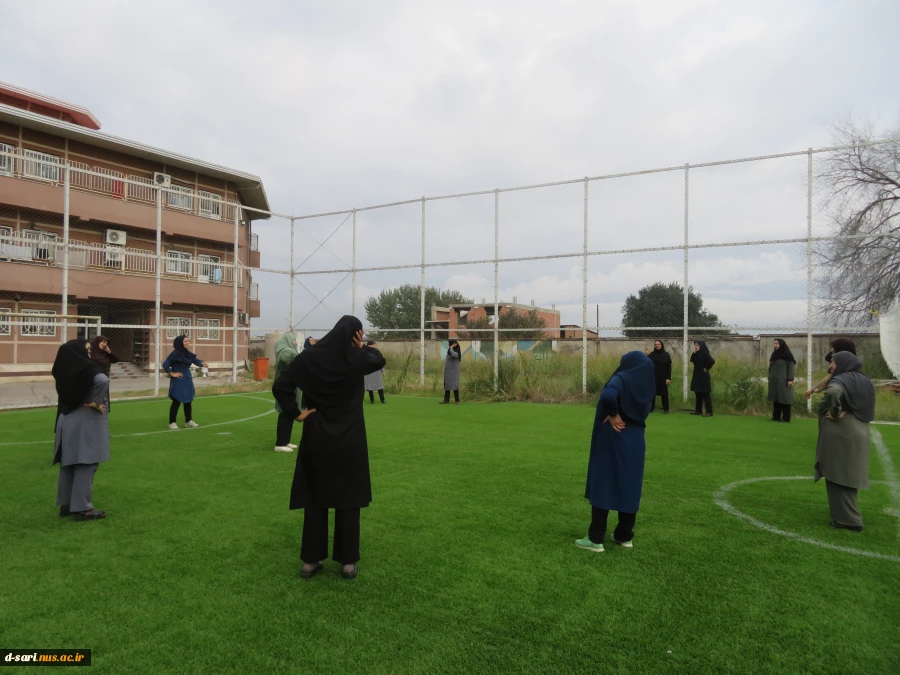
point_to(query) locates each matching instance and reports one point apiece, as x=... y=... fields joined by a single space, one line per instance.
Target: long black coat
x=701 y=382
x=662 y=371
x=332 y=470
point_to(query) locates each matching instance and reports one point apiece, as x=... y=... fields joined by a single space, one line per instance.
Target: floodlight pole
x=684 y=345
x=809 y=277
x=422 y=306
x=584 y=295
x=496 y=290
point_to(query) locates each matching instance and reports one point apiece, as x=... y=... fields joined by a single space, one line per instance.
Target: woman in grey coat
x=842 y=453
x=451 y=372
x=375 y=381
x=781 y=381
x=82 y=428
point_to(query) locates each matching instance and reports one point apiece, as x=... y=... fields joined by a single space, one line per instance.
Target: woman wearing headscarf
x=181 y=386
x=701 y=382
x=451 y=372
x=616 y=467
x=662 y=369
x=332 y=469
x=837 y=345
x=285 y=352
x=82 y=428
x=781 y=381
x=842 y=452
x=375 y=381
x=102 y=355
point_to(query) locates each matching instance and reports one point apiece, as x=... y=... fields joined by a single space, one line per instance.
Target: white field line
x=169 y=431
x=721 y=499
x=890 y=476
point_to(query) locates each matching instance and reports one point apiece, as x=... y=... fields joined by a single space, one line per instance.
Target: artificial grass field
x=468 y=564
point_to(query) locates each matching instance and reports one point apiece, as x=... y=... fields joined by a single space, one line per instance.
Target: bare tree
x=861 y=269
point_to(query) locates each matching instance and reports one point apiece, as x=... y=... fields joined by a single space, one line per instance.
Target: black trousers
x=665 y=402
x=447 y=395
x=703 y=397
x=173 y=412
x=372 y=395
x=284 y=429
x=624 y=530
x=781 y=411
x=315 y=536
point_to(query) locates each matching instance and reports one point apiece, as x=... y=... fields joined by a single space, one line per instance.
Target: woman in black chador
x=701 y=382
x=662 y=372
x=333 y=458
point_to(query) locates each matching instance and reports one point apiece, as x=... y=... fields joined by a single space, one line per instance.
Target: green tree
x=401 y=308
x=529 y=326
x=662 y=304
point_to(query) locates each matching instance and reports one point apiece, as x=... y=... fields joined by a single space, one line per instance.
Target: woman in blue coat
x=616 y=467
x=181 y=386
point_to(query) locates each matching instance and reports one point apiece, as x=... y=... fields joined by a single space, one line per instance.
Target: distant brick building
x=451 y=320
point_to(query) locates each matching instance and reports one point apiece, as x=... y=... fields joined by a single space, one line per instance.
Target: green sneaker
x=588 y=545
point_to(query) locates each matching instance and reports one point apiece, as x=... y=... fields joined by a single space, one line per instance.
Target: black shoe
x=90 y=514
x=696 y=413
x=311 y=573
x=708 y=415
x=64 y=511
x=383 y=401
x=774 y=420
x=665 y=412
x=853 y=528
x=351 y=573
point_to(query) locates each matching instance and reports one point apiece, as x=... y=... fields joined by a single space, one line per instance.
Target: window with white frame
x=210 y=204
x=40 y=165
x=178 y=262
x=254 y=291
x=7 y=159
x=4 y=320
x=180 y=197
x=5 y=234
x=254 y=242
x=43 y=324
x=208 y=329
x=177 y=325
x=209 y=268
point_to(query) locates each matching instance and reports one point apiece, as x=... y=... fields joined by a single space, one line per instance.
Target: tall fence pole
x=67 y=180
x=353 y=270
x=496 y=290
x=809 y=276
x=584 y=295
x=157 y=336
x=684 y=344
x=422 y=306
x=291 y=313
x=234 y=285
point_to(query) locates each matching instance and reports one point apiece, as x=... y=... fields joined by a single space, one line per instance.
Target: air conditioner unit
x=243 y=319
x=162 y=179
x=117 y=237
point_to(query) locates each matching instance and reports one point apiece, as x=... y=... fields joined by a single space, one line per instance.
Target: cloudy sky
x=343 y=104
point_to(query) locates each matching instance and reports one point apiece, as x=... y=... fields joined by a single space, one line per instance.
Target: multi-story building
x=451 y=320
x=117 y=192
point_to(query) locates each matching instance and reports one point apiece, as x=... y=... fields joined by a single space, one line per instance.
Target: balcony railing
x=36 y=247
x=33 y=165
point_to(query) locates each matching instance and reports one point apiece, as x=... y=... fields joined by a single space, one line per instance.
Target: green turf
x=468 y=565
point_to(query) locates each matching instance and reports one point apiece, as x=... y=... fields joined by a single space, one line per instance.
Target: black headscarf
x=704 y=350
x=454 y=346
x=858 y=390
x=659 y=355
x=841 y=345
x=783 y=353
x=329 y=371
x=74 y=373
x=181 y=353
x=307 y=344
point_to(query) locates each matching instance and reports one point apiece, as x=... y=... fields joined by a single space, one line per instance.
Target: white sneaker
x=292 y=446
x=173 y=426
x=192 y=424
x=283 y=448
x=623 y=544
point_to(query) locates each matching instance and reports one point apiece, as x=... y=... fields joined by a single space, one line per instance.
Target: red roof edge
x=76 y=114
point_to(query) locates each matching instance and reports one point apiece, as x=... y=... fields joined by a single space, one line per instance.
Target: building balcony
x=32 y=263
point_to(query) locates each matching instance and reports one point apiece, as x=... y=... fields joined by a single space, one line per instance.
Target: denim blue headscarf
x=634 y=379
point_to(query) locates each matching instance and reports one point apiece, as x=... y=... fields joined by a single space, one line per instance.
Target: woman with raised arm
x=82 y=428
x=837 y=345
x=781 y=381
x=332 y=469
x=842 y=452
x=181 y=386
x=616 y=466
x=451 y=372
